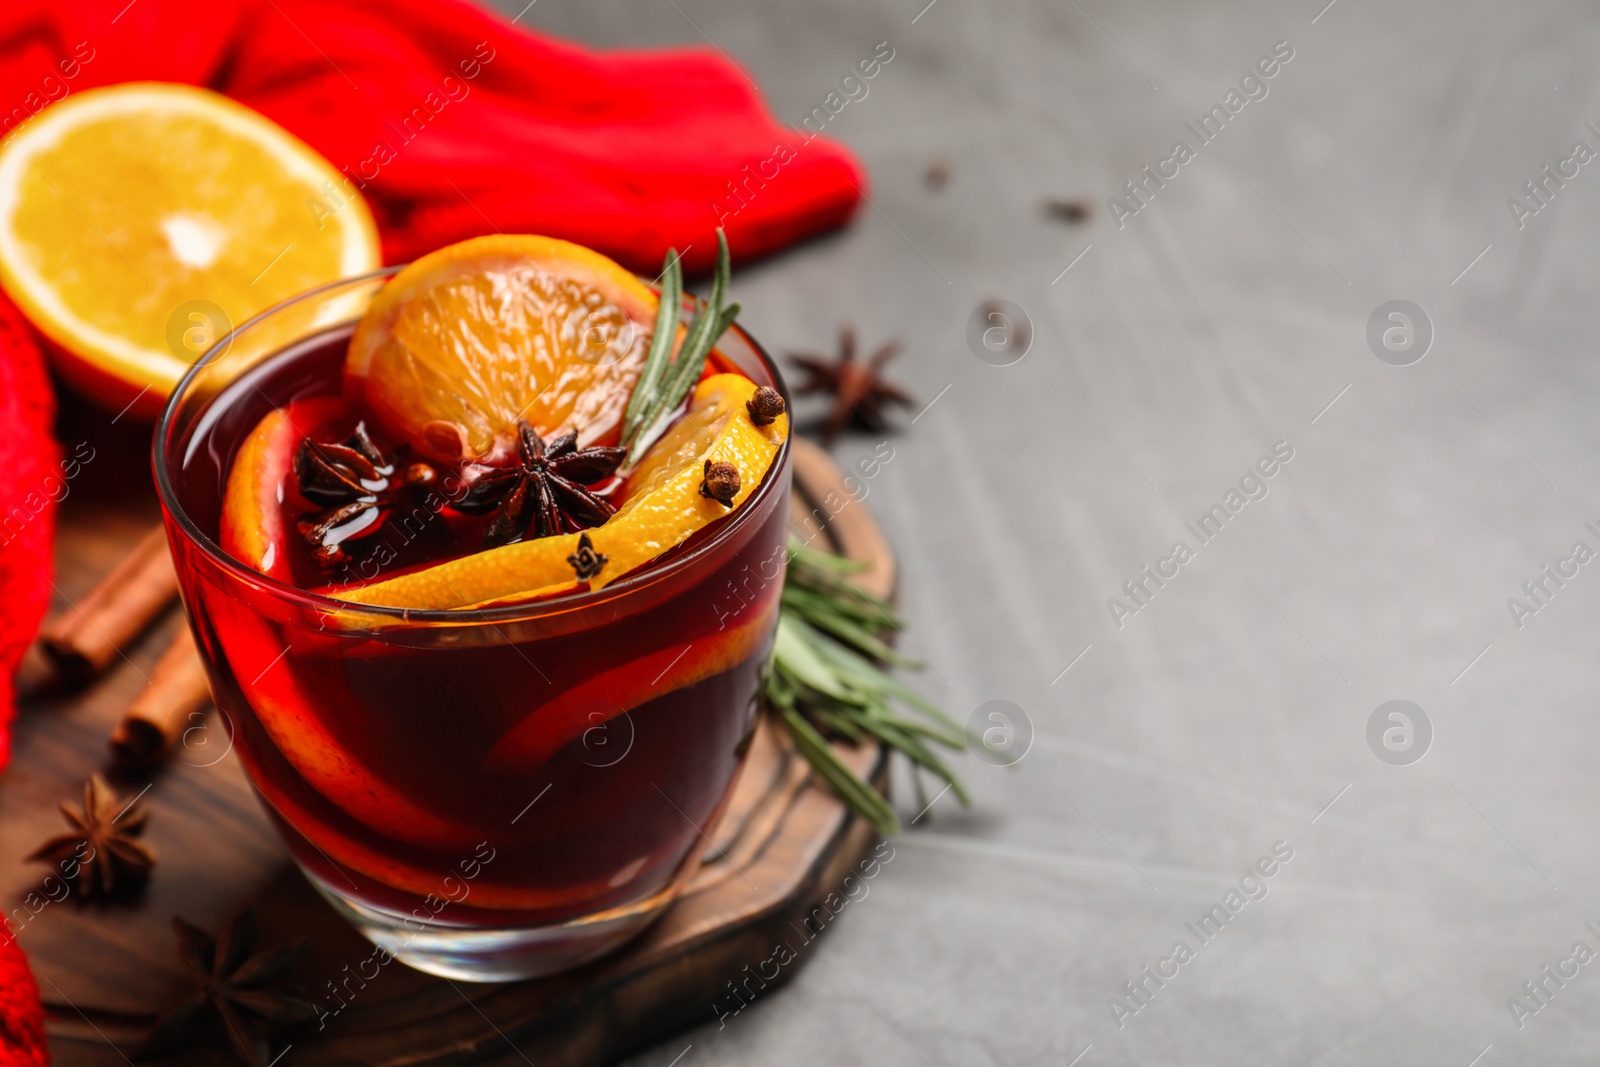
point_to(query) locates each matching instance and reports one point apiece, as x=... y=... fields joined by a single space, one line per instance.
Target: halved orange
x=468 y=340
x=140 y=221
x=664 y=506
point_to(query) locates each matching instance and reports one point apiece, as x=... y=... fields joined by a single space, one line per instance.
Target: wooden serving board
x=784 y=844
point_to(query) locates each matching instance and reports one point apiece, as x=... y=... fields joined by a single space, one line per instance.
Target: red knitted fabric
x=21 y=1016
x=454 y=123
x=31 y=481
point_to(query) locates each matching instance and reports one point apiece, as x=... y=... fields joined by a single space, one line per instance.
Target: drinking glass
x=486 y=794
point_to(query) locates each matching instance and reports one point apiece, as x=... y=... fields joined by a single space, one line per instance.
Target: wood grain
x=782 y=846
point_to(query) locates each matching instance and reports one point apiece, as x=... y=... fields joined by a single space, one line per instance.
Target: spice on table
x=103 y=844
x=228 y=982
x=178 y=692
x=859 y=392
x=937 y=173
x=1071 y=212
x=89 y=634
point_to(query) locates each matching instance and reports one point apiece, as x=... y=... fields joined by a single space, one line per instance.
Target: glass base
x=478 y=954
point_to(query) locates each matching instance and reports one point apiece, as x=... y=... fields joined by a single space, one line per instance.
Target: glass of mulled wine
x=491 y=793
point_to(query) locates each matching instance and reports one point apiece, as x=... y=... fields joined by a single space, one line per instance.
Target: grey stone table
x=1177 y=340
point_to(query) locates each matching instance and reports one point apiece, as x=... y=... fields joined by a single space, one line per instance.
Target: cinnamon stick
x=88 y=635
x=165 y=710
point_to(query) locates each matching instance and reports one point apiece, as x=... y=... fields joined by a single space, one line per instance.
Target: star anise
x=228 y=982
x=546 y=489
x=103 y=843
x=357 y=485
x=859 y=393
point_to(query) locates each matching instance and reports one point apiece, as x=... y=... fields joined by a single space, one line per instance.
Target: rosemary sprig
x=664 y=381
x=655 y=360
x=826 y=675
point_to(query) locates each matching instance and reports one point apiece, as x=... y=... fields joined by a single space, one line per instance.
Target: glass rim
x=322 y=603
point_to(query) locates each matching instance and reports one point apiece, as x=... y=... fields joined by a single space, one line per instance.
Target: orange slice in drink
x=468 y=340
x=284 y=709
x=664 y=506
x=597 y=700
x=261 y=656
x=253 y=528
x=438 y=885
x=140 y=222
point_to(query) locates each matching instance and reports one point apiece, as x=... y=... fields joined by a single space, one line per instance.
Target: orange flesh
x=468 y=340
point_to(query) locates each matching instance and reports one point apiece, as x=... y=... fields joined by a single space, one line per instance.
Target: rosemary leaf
x=847 y=626
x=806 y=556
x=848 y=664
x=825 y=598
x=656 y=359
x=878 y=708
x=826 y=670
x=675 y=380
x=839 y=723
x=840 y=588
x=933 y=733
x=862 y=798
x=687 y=370
x=889 y=730
x=796 y=655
